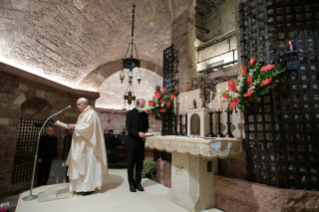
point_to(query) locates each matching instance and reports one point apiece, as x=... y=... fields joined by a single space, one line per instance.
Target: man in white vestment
x=87 y=157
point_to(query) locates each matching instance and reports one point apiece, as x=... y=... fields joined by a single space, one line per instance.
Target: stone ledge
x=237 y=195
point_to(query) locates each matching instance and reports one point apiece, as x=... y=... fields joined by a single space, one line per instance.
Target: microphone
x=68 y=107
x=31 y=196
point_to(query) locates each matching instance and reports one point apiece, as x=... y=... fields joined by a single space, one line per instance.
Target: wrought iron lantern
x=131 y=63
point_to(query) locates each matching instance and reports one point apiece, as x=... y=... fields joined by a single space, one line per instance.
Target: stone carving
x=179 y=170
x=194 y=103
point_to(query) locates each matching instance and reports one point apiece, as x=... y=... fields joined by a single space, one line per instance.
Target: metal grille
x=281 y=128
x=170 y=63
x=28 y=131
x=169 y=70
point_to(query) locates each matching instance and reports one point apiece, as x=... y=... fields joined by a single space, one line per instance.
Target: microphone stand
x=30 y=196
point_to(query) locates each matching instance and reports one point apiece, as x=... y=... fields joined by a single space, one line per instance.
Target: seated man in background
x=105 y=134
x=122 y=136
x=111 y=145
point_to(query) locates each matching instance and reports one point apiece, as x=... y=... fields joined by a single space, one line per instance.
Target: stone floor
x=114 y=196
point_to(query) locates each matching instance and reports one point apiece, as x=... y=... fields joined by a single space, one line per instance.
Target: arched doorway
x=34 y=112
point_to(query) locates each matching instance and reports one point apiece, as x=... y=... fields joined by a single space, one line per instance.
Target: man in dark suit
x=46 y=153
x=122 y=136
x=136 y=125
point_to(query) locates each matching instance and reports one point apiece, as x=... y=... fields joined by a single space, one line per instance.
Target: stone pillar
x=183 y=38
x=193 y=181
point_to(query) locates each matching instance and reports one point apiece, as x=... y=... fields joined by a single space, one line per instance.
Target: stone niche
x=198 y=122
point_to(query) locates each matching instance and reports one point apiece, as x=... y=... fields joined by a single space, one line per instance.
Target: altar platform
x=114 y=196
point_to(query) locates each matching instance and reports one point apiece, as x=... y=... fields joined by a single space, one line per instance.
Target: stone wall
x=220 y=21
x=115 y=119
x=236 y=195
x=14 y=91
x=183 y=38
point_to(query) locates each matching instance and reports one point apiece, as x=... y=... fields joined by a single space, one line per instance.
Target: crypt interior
x=52 y=52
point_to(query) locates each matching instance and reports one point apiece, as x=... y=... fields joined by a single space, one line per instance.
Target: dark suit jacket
x=132 y=118
x=48 y=147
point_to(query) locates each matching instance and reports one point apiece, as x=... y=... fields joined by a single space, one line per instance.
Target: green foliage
x=149 y=169
x=239 y=88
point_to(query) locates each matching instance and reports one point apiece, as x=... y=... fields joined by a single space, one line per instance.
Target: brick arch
x=32 y=94
x=95 y=78
x=36 y=106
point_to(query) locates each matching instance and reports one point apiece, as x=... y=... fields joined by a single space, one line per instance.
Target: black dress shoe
x=87 y=193
x=132 y=188
x=139 y=187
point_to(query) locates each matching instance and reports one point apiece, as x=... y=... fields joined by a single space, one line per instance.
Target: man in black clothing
x=46 y=153
x=122 y=136
x=136 y=125
x=111 y=146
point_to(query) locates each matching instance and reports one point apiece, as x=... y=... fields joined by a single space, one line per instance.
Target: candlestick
x=211 y=134
x=211 y=97
x=175 y=105
x=186 y=124
x=219 y=132
x=218 y=99
x=185 y=104
x=228 y=134
x=181 y=124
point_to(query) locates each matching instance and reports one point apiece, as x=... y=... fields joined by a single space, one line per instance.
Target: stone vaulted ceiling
x=65 y=40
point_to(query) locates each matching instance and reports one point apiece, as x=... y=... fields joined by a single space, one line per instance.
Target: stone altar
x=194 y=164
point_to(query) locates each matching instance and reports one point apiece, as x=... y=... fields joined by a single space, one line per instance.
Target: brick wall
x=14 y=91
x=115 y=119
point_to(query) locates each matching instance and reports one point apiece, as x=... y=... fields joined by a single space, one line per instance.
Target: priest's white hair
x=84 y=100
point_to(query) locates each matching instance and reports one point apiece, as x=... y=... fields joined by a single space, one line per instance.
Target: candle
x=218 y=99
x=180 y=106
x=290 y=47
x=185 y=104
x=211 y=97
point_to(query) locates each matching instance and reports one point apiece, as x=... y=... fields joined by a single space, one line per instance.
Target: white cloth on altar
x=87 y=160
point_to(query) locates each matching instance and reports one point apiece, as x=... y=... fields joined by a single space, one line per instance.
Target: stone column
x=183 y=38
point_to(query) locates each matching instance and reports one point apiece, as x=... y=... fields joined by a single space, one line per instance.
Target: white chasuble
x=87 y=157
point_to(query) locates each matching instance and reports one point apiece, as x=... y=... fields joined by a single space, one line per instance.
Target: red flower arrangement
x=162 y=101
x=253 y=79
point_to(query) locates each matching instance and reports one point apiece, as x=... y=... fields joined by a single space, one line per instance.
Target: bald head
x=50 y=131
x=140 y=102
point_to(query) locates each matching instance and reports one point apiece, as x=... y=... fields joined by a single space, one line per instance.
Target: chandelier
x=131 y=63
